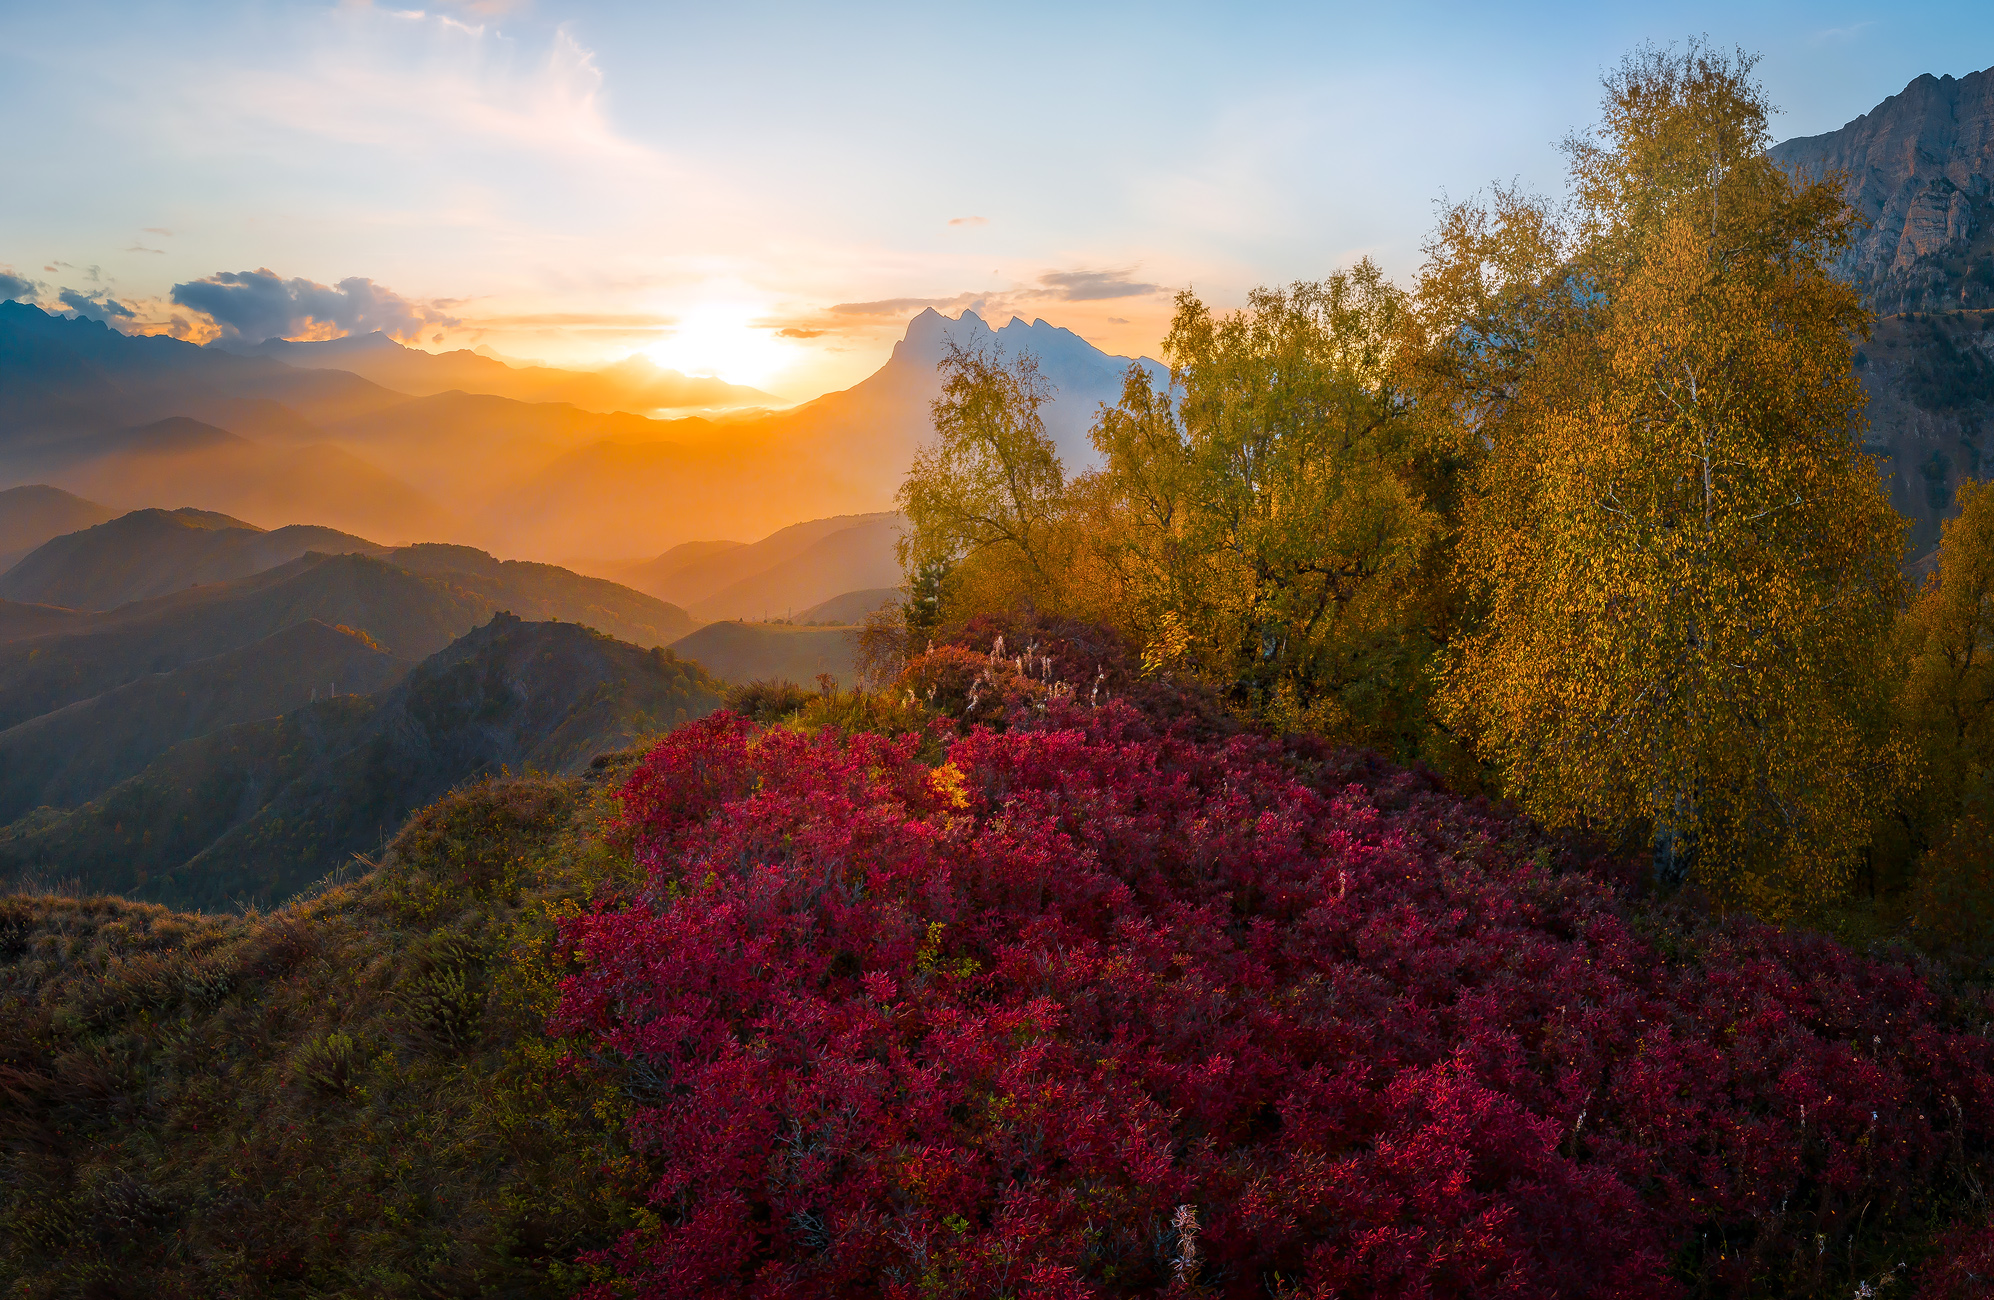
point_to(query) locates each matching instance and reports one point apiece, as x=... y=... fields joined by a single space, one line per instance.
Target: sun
x=722 y=340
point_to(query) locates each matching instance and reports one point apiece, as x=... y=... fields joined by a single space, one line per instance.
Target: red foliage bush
x=1961 y=1267
x=1007 y=669
x=1098 y=1008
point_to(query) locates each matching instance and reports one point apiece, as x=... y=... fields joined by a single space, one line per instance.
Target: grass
x=348 y=1096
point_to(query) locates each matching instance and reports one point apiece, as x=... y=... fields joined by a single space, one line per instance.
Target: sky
x=768 y=192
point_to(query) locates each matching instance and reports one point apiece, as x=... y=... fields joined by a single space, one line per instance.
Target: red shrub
x=1961 y=1268
x=986 y=1029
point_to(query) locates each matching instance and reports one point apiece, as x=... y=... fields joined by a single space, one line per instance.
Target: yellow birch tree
x=1688 y=568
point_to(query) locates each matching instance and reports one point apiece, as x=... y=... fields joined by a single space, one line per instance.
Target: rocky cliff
x=1919 y=168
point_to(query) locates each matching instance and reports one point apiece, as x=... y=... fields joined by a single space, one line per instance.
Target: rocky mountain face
x=1919 y=170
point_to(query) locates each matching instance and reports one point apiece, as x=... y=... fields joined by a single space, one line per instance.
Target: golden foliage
x=1688 y=566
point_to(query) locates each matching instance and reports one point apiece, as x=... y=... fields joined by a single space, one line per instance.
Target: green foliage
x=991 y=485
x=766 y=700
x=1267 y=520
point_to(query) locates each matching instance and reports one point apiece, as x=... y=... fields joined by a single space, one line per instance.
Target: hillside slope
x=155 y=552
x=752 y=652
x=255 y=812
x=412 y=617
x=546 y=591
x=851 y=559
x=69 y=756
x=31 y=514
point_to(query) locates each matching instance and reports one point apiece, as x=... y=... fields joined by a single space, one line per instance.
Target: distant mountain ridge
x=633 y=384
x=121 y=419
x=35 y=512
x=155 y=552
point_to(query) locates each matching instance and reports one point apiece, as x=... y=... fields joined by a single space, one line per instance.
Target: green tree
x=1687 y=567
x=984 y=499
x=1263 y=520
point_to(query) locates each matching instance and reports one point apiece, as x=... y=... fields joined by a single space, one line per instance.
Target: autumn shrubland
x=1464 y=803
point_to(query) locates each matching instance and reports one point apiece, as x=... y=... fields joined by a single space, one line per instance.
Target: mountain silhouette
x=35 y=512
x=69 y=756
x=634 y=384
x=155 y=552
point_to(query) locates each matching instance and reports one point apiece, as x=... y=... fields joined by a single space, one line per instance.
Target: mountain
x=845 y=451
x=183 y=459
x=69 y=756
x=850 y=608
x=32 y=514
x=751 y=652
x=850 y=559
x=633 y=384
x=789 y=569
x=254 y=812
x=1919 y=170
x=546 y=591
x=410 y=616
x=84 y=407
x=61 y=377
x=154 y=552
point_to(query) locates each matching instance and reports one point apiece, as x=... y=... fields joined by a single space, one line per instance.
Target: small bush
x=330 y=1063
x=766 y=701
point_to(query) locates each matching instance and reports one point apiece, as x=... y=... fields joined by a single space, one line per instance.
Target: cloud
x=1848 y=33
x=795 y=333
x=1094 y=286
x=158 y=230
x=969 y=221
x=19 y=287
x=98 y=307
x=901 y=306
x=257 y=305
x=141 y=248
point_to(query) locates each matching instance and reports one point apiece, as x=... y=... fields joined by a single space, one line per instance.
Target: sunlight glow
x=721 y=339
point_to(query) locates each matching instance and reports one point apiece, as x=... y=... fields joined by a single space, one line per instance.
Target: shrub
x=767 y=700
x=1102 y=1007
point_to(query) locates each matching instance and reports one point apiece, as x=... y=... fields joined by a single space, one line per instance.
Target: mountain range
x=633 y=384
x=128 y=421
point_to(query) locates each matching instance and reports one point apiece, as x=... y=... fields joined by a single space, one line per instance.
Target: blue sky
x=768 y=190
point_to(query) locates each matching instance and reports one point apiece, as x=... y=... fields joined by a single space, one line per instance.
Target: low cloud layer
x=100 y=306
x=1094 y=286
x=16 y=286
x=257 y=305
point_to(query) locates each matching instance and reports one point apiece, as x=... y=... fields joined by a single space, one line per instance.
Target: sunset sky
x=768 y=192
